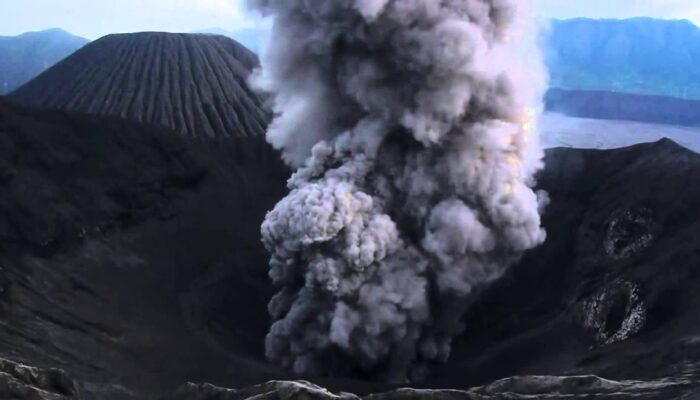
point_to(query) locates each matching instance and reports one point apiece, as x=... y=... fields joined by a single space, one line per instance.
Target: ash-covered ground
x=134 y=290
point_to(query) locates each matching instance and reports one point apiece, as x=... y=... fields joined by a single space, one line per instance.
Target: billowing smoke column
x=411 y=125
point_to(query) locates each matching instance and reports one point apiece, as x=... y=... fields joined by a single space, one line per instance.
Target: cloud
x=411 y=121
x=229 y=8
x=217 y=8
x=92 y=19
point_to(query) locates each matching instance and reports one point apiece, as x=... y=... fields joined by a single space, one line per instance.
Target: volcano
x=132 y=264
x=193 y=84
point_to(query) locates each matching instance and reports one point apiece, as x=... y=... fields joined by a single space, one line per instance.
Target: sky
x=94 y=18
x=668 y=9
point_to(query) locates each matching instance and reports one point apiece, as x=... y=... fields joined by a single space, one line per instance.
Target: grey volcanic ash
x=412 y=125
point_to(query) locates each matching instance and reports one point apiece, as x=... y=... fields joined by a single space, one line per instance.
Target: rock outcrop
x=521 y=387
x=22 y=382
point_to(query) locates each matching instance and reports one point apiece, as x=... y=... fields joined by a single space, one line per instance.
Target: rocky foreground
x=22 y=382
x=522 y=387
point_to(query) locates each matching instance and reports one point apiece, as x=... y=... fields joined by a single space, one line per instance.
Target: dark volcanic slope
x=130 y=258
x=614 y=289
x=623 y=106
x=195 y=84
x=130 y=255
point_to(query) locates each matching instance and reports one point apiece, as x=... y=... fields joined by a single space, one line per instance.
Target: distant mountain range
x=25 y=56
x=586 y=57
x=640 y=55
x=624 y=106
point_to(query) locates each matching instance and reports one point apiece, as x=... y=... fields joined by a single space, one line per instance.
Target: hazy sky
x=674 y=9
x=94 y=18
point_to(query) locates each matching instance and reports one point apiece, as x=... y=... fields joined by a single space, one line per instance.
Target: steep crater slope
x=130 y=255
x=613 y=291
x=194 y=84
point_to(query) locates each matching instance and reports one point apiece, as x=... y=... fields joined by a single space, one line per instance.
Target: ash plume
x=412 y=125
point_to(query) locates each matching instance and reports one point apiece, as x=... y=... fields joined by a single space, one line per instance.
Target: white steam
x=411 y=123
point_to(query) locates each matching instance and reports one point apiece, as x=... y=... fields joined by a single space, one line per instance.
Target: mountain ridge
x=25 y=56
x=606 y=105
x=636 y=55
